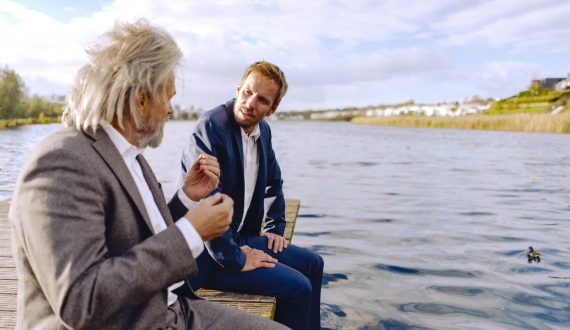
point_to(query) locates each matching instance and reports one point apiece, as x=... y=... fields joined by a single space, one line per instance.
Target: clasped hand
x=212 y=216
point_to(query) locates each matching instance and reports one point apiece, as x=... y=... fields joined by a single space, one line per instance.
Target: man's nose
x=251 y=102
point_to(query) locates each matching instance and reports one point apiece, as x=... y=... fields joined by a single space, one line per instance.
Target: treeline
x=16 y=104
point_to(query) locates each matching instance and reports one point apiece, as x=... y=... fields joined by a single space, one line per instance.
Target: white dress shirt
x=250 y=167
x=129 y=153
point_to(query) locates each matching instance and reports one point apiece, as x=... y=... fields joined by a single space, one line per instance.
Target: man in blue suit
x=252 y=256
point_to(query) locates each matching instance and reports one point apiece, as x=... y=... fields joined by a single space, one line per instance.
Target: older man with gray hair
x=96 y=244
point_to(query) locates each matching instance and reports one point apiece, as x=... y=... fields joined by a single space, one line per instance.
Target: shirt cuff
x=185 y=199
x=191 y=236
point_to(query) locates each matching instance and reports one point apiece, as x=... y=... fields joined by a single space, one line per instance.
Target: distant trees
x=12 y=94
x=15 y=103
x=190 y=113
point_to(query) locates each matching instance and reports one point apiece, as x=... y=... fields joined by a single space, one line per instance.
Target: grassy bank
x=543 y=123
x=11 y=123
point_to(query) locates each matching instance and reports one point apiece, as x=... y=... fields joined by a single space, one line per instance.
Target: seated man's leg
x=307 y=262
x=291 y=289
x=202 y=314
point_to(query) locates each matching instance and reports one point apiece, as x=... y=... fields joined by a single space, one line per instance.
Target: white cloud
x=513 y=26
x=337 y=53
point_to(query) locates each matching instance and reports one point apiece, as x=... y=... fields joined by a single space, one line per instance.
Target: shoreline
x=18 y=122
x=539 y=123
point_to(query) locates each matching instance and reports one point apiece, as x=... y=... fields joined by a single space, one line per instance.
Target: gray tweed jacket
x=83 y=244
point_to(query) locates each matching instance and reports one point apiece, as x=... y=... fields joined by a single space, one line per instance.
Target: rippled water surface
x=419 y=228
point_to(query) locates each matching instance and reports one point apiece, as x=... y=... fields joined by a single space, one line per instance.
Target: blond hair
x=272 y=72
x=130 y=59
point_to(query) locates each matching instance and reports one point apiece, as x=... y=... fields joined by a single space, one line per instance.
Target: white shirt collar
x=254 y=134
x=126 y=149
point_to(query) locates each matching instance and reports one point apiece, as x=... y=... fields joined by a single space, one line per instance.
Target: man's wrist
x=192 y=237
x=189 y=203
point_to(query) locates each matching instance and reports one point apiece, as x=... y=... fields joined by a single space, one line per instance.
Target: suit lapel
x=260 y=183
x=156 y=190
x=235 y=132
x=107 y=150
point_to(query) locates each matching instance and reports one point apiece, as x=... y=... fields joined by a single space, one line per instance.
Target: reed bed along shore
x=11 y=123
x=543 y=123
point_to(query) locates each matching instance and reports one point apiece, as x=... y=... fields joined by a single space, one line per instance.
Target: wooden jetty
x=259 y=305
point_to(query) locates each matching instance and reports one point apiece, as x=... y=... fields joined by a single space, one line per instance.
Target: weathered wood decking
x=260 y=305
x=8 y=277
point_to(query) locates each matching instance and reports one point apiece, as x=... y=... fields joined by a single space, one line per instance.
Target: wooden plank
x=6 y=302
x=7 y=319
x=258 y=305
x=8 y=276
x=291 y=212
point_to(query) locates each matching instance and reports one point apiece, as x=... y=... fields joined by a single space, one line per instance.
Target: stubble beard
x=150 y=138
x=244 y=120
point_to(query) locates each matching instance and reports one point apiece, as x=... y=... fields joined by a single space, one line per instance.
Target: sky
x=335 y=53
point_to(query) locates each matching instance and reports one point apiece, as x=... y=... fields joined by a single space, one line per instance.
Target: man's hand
x=212 y=216
x=255 y=258
x=202 y=178
x=275 y=242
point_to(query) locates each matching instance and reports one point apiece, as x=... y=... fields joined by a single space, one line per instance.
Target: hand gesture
x=202 y=178
x=275 y=242
x=212 y=216
x=255 y=258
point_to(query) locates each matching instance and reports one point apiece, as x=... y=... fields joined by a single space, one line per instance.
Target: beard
x=242 y=119
x=149 y=137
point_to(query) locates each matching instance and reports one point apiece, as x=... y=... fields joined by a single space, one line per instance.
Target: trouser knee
x=302 y=288
x=318 y=263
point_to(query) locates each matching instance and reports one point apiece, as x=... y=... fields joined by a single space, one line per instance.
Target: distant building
x=563 y=84
x=546 y=82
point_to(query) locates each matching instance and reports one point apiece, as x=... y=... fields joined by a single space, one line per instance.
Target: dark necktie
x=155 y=189
x=158 y=196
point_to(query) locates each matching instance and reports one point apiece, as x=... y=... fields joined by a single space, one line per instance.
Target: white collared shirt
x=129 y=153
x=250 y=167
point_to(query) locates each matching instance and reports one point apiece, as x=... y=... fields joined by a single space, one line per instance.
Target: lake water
x=419 y=228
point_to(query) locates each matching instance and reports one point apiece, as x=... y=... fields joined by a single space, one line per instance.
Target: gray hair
x=130 y=59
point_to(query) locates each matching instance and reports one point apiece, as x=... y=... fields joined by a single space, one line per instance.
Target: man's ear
x=142 y=101
x=272 y=111
x=238 y=87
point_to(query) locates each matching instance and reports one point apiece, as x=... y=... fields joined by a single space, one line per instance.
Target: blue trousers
x=295 y=282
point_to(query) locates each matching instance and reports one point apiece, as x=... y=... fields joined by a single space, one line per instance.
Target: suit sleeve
x=63 y=206
x=208 y=139
x=274 y=201
x=176 y=207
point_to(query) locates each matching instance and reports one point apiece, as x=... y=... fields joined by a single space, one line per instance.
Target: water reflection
x=440 y=309
x=427 y=272
x=15 y=146
x=330 y=278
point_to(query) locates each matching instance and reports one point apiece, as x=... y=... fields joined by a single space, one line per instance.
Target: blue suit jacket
x=218 y=134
